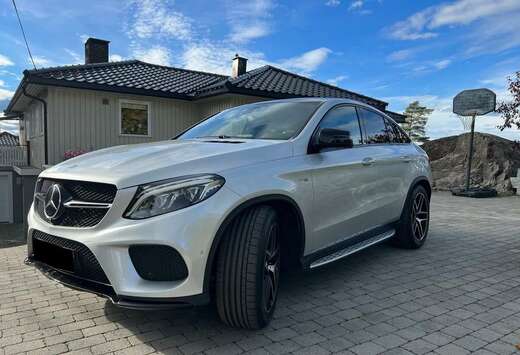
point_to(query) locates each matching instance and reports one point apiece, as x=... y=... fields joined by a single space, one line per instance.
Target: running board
x=352 y=249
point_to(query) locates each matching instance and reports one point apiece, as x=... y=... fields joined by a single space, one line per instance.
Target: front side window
x=135 y=118
x=376 y=131
x=344 y=118
x=267 y=120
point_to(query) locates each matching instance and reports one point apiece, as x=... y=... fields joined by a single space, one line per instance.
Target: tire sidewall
x=263 y=316
x=408 y=218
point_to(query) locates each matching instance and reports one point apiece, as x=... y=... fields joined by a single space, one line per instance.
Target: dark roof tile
x=9 y=139
x=138 y=77
x=131 y=74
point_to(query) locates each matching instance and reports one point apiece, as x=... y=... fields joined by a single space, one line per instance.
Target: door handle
x=405 y=158
x=367 y=161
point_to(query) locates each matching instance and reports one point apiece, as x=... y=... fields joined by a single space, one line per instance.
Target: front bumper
x=190 y=231
x=106 y=291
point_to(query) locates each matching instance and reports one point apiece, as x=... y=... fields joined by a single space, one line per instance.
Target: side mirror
x=333 y=138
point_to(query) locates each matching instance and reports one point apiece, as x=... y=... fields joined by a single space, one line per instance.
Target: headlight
x=171 y=195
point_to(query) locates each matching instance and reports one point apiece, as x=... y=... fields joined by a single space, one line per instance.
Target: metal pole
x=470 y=156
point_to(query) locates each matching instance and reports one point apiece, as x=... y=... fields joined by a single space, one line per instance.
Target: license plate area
x=53 y=255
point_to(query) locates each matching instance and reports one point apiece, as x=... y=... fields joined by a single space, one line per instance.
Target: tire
x=412 y=228
x=248 y=269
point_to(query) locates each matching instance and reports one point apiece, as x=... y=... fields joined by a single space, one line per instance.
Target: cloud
x=356 y=5
x=335 y=81
x=442 y=64
x=466 y=11
x=400 y=55
x=156 y=55
x=4 y=61
x=10 y=126
x=333 y=3
x=215 y=57
x=6 y=94
x=307 y=62
x=154 y=18
x=2 y=83
x=422 y=25
x=40 y=61
x=249 y=20
x=413 y=27
x=76 y=58
x=115 y=58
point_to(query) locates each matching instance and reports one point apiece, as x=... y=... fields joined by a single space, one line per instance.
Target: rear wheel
x=248 y=269
x=413 y=226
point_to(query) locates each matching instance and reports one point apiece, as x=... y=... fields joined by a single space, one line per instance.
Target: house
x=100 y=104
x=8 y=140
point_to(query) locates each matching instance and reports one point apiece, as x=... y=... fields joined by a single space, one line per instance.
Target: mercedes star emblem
x=52 y=205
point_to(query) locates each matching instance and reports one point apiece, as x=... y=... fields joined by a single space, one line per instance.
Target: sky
x=397 y=51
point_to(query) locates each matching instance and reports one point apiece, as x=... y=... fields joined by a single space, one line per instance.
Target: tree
x=511 y=110
x=416 y=119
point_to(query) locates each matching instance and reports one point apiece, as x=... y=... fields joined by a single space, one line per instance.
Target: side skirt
x=347 y=247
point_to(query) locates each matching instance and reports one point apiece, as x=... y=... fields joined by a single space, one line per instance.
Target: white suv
x=216 y=212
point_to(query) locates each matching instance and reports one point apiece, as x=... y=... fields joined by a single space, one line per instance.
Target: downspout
x=44 y=103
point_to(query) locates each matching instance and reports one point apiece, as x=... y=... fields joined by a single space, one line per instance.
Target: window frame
x=387 y=121
x=149 y=113
x=310 y=149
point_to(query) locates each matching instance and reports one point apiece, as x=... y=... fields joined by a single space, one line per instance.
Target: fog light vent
x=158 y=262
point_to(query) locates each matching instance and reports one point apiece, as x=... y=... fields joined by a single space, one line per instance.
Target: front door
x=342 y=181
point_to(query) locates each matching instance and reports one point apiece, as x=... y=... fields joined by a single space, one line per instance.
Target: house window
x=134 y=118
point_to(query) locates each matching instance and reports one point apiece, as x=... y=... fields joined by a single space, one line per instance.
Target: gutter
x=44 y=103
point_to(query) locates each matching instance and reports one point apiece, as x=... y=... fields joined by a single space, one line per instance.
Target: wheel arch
x=424 y=182
x=283 y=204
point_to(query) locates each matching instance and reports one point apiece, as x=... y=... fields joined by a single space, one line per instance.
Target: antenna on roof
x=23 y=34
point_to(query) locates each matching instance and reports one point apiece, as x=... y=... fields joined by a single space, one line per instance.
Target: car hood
x=130 y=165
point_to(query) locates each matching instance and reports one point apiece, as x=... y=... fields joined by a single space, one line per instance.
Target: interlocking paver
x=456 y=295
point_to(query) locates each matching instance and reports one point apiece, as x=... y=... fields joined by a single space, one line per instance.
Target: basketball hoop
x=467 y=105
x=466 y=122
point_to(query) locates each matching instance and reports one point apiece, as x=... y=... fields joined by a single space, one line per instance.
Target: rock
x=495 y=161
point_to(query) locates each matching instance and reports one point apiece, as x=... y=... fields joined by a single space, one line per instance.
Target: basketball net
x=466 y=122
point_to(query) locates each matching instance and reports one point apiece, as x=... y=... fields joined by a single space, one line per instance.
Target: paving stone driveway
x=458 y=294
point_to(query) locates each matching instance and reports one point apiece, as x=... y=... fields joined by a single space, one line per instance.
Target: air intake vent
x=158 y=262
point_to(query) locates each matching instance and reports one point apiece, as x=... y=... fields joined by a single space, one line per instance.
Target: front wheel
x=412 y=229
x=248 y=269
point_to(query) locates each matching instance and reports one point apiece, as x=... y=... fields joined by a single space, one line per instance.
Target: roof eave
x=107 y=88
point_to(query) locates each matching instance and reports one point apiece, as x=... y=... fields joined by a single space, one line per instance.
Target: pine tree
x=416 y=119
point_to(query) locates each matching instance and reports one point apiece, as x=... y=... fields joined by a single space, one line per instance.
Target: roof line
x=182 y=69
x=107 y=88
x=324 y=83
x=78 y=66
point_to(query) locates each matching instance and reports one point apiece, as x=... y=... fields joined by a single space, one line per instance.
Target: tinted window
x=269 y=120
x=397 y=134
x=403 y=135
x=344 y=118
x=375 y=128
x=393 y=132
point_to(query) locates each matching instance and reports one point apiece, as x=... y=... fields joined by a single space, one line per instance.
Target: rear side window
x=397 y=134
x=344 y=118
x=376 y=130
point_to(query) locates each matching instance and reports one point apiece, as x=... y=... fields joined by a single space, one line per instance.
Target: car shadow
x=305 y=297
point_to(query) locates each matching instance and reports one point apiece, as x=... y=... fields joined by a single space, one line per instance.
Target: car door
x=342 y=181
x=388 y=167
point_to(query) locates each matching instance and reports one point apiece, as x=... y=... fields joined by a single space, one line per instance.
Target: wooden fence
x=13 y=155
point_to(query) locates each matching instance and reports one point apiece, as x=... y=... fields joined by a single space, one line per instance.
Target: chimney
x=239 y=66
x=96 y=51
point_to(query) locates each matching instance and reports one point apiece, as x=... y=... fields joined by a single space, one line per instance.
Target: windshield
x=269 y=120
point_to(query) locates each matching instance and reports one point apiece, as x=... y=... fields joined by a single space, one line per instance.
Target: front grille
x=56 y=252
x=79 y=191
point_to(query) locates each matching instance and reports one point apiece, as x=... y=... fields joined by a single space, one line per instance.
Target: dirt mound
x=495 y=160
